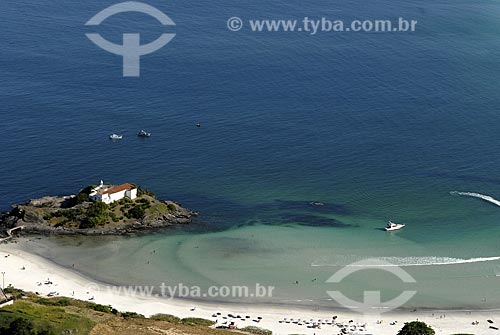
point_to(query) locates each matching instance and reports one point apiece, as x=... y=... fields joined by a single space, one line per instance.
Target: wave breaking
x=418 y=261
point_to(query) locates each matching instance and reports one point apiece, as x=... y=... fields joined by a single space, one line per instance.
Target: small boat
x=391 y=226
x=143 y=133
x=115 y=137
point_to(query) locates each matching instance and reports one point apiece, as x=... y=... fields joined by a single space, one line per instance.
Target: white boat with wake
x=391 y=226
x=115 y=137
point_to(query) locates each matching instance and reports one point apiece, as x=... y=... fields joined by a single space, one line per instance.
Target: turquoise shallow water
x=447 y=276
x=376 y=126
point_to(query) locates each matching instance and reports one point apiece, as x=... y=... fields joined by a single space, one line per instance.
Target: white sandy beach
x=68 y=283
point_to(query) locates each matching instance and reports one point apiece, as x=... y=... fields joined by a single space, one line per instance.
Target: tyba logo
x=131 y=50
x=372 y=303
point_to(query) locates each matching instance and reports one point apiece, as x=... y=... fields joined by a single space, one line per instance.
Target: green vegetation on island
x=85 y=213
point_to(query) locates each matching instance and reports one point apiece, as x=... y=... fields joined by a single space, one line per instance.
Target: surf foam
x=419 y=261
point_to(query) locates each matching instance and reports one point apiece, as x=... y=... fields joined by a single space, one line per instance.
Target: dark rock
x=31 y=216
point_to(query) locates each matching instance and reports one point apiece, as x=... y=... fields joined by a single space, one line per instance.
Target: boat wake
x=416 y=261
x=477 y=195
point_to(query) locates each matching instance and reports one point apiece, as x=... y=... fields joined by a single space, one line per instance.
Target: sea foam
x=416 y=261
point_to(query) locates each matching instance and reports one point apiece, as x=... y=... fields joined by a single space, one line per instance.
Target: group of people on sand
x=229 y=320
x=345 y=327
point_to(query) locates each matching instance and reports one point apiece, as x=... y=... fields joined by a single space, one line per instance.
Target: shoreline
x=69 y=283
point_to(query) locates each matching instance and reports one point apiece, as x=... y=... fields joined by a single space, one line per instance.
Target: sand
x=33 y=273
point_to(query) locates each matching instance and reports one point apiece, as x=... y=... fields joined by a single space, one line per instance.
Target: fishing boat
x=143 y=133
x=115 y=137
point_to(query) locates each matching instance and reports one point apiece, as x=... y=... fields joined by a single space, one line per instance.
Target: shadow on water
x=221 y=214
x=325 y=208
x=233 y=247
x=305 y=219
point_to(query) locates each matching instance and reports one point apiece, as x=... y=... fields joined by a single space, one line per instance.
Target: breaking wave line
x=420 y=261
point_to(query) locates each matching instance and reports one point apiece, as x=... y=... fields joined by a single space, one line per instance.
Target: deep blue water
x=375 y=125
x=357 y=118
x=384 y=124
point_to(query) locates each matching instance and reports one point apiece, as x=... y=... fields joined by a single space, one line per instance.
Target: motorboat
x=143 y=133
x=115 y=137
x=391 y=226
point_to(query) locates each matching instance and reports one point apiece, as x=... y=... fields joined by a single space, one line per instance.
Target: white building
x=111 y=193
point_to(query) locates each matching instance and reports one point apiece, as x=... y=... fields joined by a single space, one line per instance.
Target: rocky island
x=95 y=210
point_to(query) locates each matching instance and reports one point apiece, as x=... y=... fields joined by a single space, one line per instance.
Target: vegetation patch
x=26 y=317
x=132 y=315
x=197 y=322
x=82 y=214
x=102 y=308
x=34 y=315
x=165 y=317
x=97 y=215
x=257 y=330
x=416 y=328
x=54 y=302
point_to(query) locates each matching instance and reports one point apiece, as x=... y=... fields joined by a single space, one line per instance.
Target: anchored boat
x=391 y=226
x=143 y=133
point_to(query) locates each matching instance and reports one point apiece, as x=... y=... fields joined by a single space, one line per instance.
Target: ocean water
x=376 y=126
